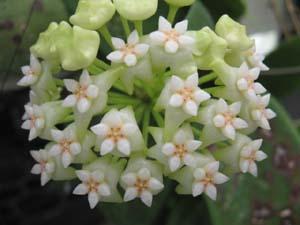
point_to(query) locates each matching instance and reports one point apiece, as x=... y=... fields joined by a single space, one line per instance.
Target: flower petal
x=107 y=146
x=93 y=199
x=71 y=85
x=168 y=149
x=141 y=49
x=238 y=123
x=229 y=131
x=130 y=194
x=198 y=188
x=211 y=191
x=118 y=43
x=92 y=91
x=66 y=159
x=147 y=198
x=158 y=37
x=123 y=146
x=129 y=179
x=155 y=184
x=176 y=100
x=130 y=60
x=174 y=163
x=101 y=129
x=115 y=56
x=192 y=145
x=163 y=24
x=81 y=189
x=69 y=101
x=144 y=174
x=104 y=190
x=83 y=105
x=191 y=108
x=171 y=46
x=220 y=178
x=133 y=38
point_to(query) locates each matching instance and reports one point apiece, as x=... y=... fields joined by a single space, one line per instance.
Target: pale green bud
x=136 y=9
x=234 y=33
x=93 y=14
x=72 y=47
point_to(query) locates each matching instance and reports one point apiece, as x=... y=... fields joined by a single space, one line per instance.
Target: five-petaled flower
x=83 y=92
x=34 y=120
x=172 y=39
x=260 y=113
x=67 y=147
x=226 y=118
x=114 y=132
x=93 y=184
x=31 y=72
x=206 y=178
x=249 y=154
x=142 y=185
x=246 y=82
x=128 y=53
x=256 y=59
x=45 y=165
x=187 y=94
x=180 y=150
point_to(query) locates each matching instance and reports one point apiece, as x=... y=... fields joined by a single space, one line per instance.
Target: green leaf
x=217 y=8
x=283 y=59
x=199 y=17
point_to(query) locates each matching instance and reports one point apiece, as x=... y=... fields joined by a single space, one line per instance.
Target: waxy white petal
x=69 y=101
x=158 y=37
x=144 y=174
x=141 y=49
x=129 y=129
x=171 y=46
x=191 y=108
x=75 y=148
x=163 y=24
x=71 y=85
x=83 y=105
x=179 y=137
x=192 y=145
x=130 y=194
x=185 y=40
x=219 y=121
x=133 y=38
x=176 y=100
x=189 y=160
x=199 y=173
x=211 y=191
x=239 y=123
x=181 y=27
x=115 y=56
x=212 y=167
x=201 y=96
x=92 y=91
x=155 y=185
x=81 y=189
x=198 y=189
x=45 y=178
x=192 y=81
x=118 y=43
x=229 y=131
x=130 y=60
x=147 y=198
x=104 y=190
x=129 y=179
x=66 y=159
x=26 y=125
x=220 y=178
x=260 y=155
x=123 y=146
x=57 y=135
x=83 y=175
x=174 y=163
x=244 y=165
x=168 y=149
x=36 y=169
x=270 y=114
x=107 y=146
x=55 y=150
x=101 y=129
x=253 y=169
x=93 y=199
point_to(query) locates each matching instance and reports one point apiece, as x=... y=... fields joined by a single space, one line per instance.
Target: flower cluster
x=147 y=115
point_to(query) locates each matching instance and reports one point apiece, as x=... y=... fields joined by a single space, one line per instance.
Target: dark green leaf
x=199 y=17
x=285 y=58
x=217 y=8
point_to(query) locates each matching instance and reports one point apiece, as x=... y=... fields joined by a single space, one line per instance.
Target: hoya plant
x=173 y=104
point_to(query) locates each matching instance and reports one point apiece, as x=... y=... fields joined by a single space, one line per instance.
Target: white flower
x=66 y=146
x=83 y=92
x=45 y=165
x=256 y=59
x=34 y=120
x=31 y=72
x=180 y=150
x=206 y=178
x=260 y=113
x=114 y=132
x=171 y=39
x=130 y=52
x=246 y=82
x=187 y=94
x=93 y=184
x=226 y=118
x=141 y=185
x=249 y=154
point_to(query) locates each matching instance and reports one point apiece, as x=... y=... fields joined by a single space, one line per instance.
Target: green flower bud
x=93 y=14
x=74 y=48
x=136 y=9
x=234 y=33
x=208 y=47
x=180 y=3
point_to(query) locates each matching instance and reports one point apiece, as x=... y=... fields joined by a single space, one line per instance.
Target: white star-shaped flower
x=34 y=120
x=83 y=92
x=128 y=53
x=45 y=165
x=172 y=39
x=31 y=72
x=246 y=82
x=249 y=154
x=260 y=113
x=93 y=184
x=180 y=150
x=141 y=185
x=226 y=118
x=187 y=94
x=67 y=147
x=114 y=133
x=206 y=178
x=256 y=59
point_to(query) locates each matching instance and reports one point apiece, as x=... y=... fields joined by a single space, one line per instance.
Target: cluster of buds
x=121 y=127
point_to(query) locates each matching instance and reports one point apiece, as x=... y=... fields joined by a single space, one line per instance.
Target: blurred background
x=273 y=198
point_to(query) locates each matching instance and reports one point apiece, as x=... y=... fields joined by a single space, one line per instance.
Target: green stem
x=172 y=13
x=103 y=65
x=119 y=86
x=146 y=122
x=207 y=78
x=212 y=89
x=68 y=119
x=122 y=96
x=59 y=82
x=94 y=69
x=158 y=118
x=125 y=26
x=139 y=112
x=139 y=27
x=106 y=35
x=123 y=101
